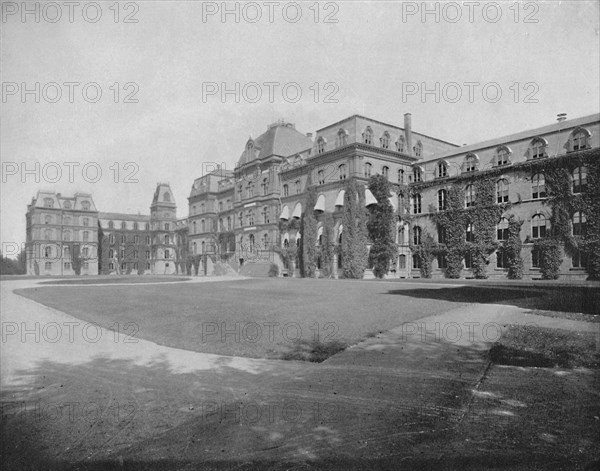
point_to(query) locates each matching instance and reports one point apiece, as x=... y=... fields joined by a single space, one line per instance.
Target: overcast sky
x=369 y=58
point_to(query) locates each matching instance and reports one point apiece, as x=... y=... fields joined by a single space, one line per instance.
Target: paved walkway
x=371 y=401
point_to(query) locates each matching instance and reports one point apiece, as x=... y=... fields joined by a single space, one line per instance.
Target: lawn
x=116 y=280
x=260 y=318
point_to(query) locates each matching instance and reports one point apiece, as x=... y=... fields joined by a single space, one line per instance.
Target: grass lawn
x=116 y=280
x=261 y=318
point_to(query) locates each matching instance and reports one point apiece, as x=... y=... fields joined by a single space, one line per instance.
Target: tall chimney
x=408 y=133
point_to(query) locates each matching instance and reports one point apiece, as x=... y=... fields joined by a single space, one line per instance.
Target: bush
x=274 y=270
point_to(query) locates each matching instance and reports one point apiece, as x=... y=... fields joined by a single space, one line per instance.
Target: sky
x=135 y=93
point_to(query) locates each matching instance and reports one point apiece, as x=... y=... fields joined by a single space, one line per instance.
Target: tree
x=76 y=258
x=308 y=241
x=327 y=246
x=381 y=226
x=354 y=239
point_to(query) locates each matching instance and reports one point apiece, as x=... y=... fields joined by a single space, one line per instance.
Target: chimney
x=408 y=133
x=309 y=135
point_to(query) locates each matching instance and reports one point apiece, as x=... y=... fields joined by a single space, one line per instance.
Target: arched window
x=286 y=190
x=342 y=137
x=502 y=190
x=167 y=197
x=228 y=223
x=67 y=205
x=416 y=261
x=538 y=226
x=111 y=225
x=417 y=203
x=135 y=226
x=111 y=239
x=202 y=226
x=342 y=170
x=298 y=187
x=166 y=226
x=123 y=225
x=266 y=241
x=402 y=262
x=194 y=231
x=167 y=239
x=417 y=235
x=320 y=145
x=368 y=136
x=67 y=235
x=321 y=177
x=417 y=174
x=502 y=155
x=194 y=248
x=579 y=224
x=470 y=163
x=147 y=226
x=250 y=216
x=85 y=205
x=469 y=196
x=202 y=207
x=265 y=187
x=538 y=186
x=502 y=229
x=48 y=219
x=48 y=252
x=265 y=215
x=385 y=171
x=442 y=169
x=220 y=206
x=537 y=148
x=579 y=179
x=368 y=169
x=251 y=239
x=400 y=143
x=86 y=236
x=67 y=220
x=48 y=203
x=241 y=219
x=578 y=140
x=86 y=221
x=418 y=149
x=401 y=176
x=203 y=246
x=385 y=140
x=123 y=238
x=442 y=236
x=442 y=200
x=470 y=235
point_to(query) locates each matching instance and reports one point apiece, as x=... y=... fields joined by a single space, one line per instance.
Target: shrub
x=274 y=270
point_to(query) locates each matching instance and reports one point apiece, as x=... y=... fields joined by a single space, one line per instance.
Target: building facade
x=253 y=212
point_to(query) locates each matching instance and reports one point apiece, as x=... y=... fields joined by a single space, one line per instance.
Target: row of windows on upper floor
x=64 y=251
x=67 y=235
x=132 y=253
x=538 y=191
x=66 y=220
x=579 y=139
x=250 y=246
x=368 y=137
x=540 y=227
x=166 y=239
x=247 y=219
x=49 y=203
x=136 y=226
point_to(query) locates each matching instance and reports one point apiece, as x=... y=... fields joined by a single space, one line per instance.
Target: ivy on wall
x=381 y=226
x=308 y=241
x=326 y=248
x=354 y=237
x=512 y=247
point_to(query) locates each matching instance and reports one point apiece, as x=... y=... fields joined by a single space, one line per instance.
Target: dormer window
x=320 y=145
x=111 y=225
x=442 y=169
x=67 y=205
x=250 y=145
x=401 y=176
x=123 y=225
x=385 y=140
x=48 y=203
x=418 y=149
x=368 y=136
x=579 y=140
x=321 y=176
x=417 y=174
x=471 y=163
x=368 y=169
x=342 y=170
x=400 y=144
x=286 y=190
x=538 y=148
x=385 y=171
x=85 y=205
x=342 y=137
x=502 y=156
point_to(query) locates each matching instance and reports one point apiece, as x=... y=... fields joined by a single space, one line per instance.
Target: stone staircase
x=259 y=268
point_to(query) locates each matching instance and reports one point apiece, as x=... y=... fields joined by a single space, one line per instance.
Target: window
x=368 y=136
x=135 y=254
x=67 y=205
x=240 y=219
x=221 y=225
x=502 y=229
x=86 y=265
x=418 y=149
x=86 y=222
x=579 y=140
x=135 y=266
x=111 y=266
x=136 y=226
x=265 y=215
x=538 y=226
x=321 y=177
x=250 y=218
x=442 y=170
x=67 y=251
x=538 y=186
x=265 y=189
x=111 y=253
x=123 y=225
x=266 y=240
x=402 y=262
x=468 y=260
x=538 y=148
x=148 y=238
x=342 y=169
x=167 y=254
x=400 y=144
x=194 y=231
x=202 y=208
x=48 y=265
x=417 y=174
x=239 y=193
x=368 y=170
x=470 y=235
x=469 y=196
x=442 y=200
x=502 y=156
x=147 y=226
x=342 y=137
x=47 y=234
x=228 y=223
x=167 y=197
x=417 y=235
x=442 y=237
x=220 y=206
x=167 y=239
x=470 y=163
x=47 y=252
x=251 y=240
x=111 y=225
x=535 y=258
x=202 y=226
x=122 y=253
x=441 y=261
x=85 y=205
x=147 y=265
x=286 y=190
x=320 y=145
x=48 y=203
x=502 y=190
x=401 y=176
x=67 y=235
x=47 y=219
x=385 y=140
x=85 y=251
x=111 y=239
x=579 y=179
x=401 y=235
x=417 y=203
x=123 y=238
x=86 y=236
x=166 y=226
x=136 y=239
x=123 y=266
x=416 y=261
x=579 y=224
x=385 y=171
x=502 y=259
x=298 y=188
x=579 y=259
